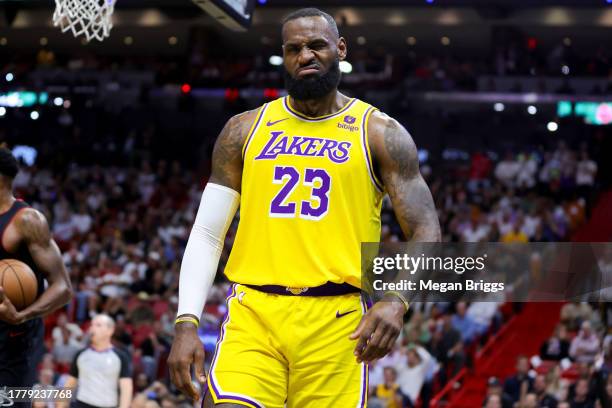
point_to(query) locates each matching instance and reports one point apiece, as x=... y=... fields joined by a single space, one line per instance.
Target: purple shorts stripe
x=309 y=119
x=363 y=398
x=364 y=393
x=212 y=383
x=366 y=150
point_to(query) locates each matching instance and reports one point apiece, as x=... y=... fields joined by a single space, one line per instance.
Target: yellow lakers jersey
x=309 y=198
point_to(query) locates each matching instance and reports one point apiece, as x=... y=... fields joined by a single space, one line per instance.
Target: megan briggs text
x=430 y=285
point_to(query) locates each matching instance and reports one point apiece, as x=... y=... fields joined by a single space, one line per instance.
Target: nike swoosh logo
x=338 y=314
x=275 y=122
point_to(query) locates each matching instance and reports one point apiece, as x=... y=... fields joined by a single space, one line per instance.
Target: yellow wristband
x=401 y=298
x=189 y=319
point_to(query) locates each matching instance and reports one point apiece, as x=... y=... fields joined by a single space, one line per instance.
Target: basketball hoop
x=92 y=18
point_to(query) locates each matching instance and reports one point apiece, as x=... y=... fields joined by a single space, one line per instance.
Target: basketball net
x=92 y=18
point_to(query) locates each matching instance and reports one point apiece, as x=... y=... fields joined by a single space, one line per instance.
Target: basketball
x=19 y=282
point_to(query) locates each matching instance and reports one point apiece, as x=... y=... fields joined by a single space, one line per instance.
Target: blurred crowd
x=528 y=196
x=572 y=369
x=122 y=230
x=418 y=67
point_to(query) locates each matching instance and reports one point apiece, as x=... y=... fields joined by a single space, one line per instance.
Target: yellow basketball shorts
x=278 y=351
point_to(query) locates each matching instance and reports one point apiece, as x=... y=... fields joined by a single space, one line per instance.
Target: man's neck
x=101 y=346
x=6 y=199
x=326 y=105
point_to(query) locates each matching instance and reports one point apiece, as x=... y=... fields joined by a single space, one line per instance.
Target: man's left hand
x=378 y=330
x=8 y=313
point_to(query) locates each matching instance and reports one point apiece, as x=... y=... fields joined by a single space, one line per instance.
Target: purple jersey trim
x=364 y=144
x=363 y=398
x=255 y=127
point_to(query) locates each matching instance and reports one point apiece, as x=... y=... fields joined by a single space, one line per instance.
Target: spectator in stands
x=507 y=170
x=527 y=168
x=555 y=385
x=544 y=399
x=586 y=170
x=157 y=393
x=585 y=345
x=515 y=235
x=513 y=384
x=448 y=349
x=496 y=397
x=387 y=394
x=581 y=397
x=67 y=340
x=572 y=314
x=476 y=231
x=529 y=400
x=480 y=169
x=412 y=374
x=483 y=313
x=493 y=401
x=464 y=324
x=557 y=347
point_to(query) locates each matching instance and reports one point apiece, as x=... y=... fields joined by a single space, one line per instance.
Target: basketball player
x=25 y=235
x=309 y=171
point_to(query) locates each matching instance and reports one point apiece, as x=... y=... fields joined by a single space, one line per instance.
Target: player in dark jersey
x=25 y=235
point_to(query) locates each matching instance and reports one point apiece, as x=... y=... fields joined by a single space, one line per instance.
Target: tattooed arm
x=396 y=164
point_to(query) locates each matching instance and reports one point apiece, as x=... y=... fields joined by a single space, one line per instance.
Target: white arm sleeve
x=201 y=258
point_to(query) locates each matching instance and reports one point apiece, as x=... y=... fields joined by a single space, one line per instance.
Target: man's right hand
x=187 y=350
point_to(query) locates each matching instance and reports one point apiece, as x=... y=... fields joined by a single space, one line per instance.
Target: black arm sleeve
x=74 y=367
x=126 y=363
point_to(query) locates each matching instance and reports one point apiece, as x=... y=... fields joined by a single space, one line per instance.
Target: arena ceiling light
x=34 y=115
x=499 y=107
x=532 y=110
x=9 y=77
x=276 y=60
x=2 y=111
x=346 y=67
x=552 y=126
x=57 y=101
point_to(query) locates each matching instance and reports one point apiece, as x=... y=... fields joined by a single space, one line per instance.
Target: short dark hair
x=8 y=163
x=313 y=12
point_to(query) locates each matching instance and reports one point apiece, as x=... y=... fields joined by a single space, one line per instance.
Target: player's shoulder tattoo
x=393 y=144
x=233 y=134
x=33 y=226
x=227 y=152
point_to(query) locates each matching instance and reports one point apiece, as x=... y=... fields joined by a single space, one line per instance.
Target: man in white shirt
x=585 y=345
x=411 y=375
x=477 y=231
x=586 y=170
x=507 y=170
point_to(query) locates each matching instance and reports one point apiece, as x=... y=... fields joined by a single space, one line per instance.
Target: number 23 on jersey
x=314 y=209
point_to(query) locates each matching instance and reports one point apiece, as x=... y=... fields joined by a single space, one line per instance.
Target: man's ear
x=342 y=50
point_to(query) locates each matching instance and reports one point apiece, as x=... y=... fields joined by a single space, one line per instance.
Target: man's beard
x=313 y=86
